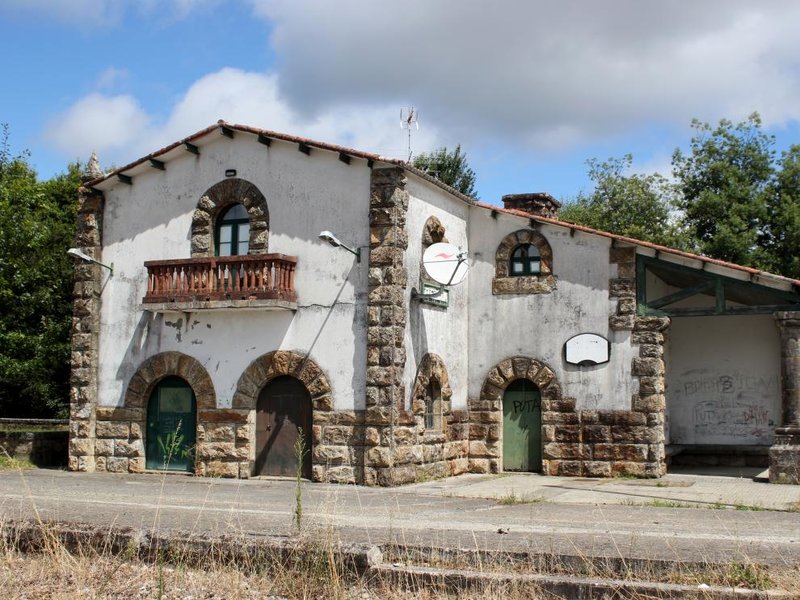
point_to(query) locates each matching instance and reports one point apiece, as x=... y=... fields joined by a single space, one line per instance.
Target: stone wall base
x=42 y=448
x=583 y=443
x=578 y=443
x=784 y=456
x=355 y=447
x=604 y=443
x=367 y=448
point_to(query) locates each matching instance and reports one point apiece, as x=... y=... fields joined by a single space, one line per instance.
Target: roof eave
x=755 y=275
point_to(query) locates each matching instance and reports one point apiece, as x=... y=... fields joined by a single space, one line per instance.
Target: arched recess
x=283 y=362
x=486 y=435
x=279 y=363
x=162 y=365
x=431 y=368
x=505 y=283
x=141 y=386
x=521 y=367
x=215 y=200
x=432 y=232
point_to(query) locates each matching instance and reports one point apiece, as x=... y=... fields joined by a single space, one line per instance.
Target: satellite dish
x=445 y=263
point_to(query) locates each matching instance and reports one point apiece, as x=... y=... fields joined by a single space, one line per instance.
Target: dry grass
x=47 y=563
x=512 y=498
x=312 y=565
x=9 y=463
x=309 y=573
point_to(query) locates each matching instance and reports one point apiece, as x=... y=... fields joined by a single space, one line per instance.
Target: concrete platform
x=712 y=487
x=513 y=513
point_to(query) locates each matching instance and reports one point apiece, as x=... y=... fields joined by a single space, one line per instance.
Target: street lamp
x=75 y=253
x=327 y=236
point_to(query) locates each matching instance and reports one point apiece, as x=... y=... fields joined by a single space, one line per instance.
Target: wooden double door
x=283 y=428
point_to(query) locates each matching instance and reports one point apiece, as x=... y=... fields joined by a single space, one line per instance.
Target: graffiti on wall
x=724 y=408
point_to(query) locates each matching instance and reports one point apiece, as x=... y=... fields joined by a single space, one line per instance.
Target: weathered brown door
x=283 y=415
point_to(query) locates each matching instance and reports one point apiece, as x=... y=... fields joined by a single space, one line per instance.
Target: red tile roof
x=641 y=243
x=423 y=175
x=286 y=138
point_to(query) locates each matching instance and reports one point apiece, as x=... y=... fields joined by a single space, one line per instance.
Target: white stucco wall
x=538 y=325
x=151 y=220
x=442 y=331
x=723 y=380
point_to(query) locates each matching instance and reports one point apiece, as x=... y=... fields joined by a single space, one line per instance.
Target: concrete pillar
x=784 y=455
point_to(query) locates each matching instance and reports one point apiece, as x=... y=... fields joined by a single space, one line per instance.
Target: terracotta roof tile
x=410 y=168
x=640 y=243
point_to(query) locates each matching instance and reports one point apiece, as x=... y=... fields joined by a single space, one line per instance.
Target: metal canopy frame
x=709 y=284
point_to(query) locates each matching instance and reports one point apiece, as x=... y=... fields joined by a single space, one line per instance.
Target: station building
x=220 y=335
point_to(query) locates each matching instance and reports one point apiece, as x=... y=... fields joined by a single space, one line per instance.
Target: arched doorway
x=522 y=427
x=283 y=415
x=171 y=426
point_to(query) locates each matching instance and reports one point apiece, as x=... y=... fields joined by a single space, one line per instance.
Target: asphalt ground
x=507 y=513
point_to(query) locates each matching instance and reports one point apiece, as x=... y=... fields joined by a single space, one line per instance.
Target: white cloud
x=546 y=74
x=120 y=130
x=110 y=78
x=98 y=123
x=536 y=76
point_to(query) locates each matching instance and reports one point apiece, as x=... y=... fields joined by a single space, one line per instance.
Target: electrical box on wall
x=434 y=295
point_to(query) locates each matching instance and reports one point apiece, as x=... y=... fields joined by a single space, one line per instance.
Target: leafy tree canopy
x=37 y=225
x=781 y=240
x=449 y=167
x=732 y=198
x=724 y=181
x=638 y=206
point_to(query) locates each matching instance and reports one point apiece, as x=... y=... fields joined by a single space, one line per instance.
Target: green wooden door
x=171 y=425
x=522 y=427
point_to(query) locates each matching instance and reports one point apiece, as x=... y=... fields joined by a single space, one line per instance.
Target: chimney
x=540 y=204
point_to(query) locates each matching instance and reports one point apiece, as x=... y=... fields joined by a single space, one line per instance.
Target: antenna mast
x=409 y=117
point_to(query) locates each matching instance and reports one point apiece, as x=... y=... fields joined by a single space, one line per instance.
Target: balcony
x=264 y=281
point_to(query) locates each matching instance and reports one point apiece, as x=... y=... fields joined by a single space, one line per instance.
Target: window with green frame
x=233 y=232
x=525 y=260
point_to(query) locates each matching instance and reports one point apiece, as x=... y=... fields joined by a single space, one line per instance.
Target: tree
x=782 y=232
x=731 y=199
x=37 y=225
x=449 y=167
x=637 y=206
x=724 y=184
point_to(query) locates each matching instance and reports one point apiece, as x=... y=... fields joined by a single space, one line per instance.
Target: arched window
x=523 y=264
x=233 y=232
x=433 y=406
x=213 y=206
x=525 y=260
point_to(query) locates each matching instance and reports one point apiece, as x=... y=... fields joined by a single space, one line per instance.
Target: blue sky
x=530 y=89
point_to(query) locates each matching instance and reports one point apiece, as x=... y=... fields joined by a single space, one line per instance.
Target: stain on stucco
x=177 y=325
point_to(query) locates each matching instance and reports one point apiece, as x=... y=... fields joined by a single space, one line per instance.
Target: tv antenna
x=409 y=117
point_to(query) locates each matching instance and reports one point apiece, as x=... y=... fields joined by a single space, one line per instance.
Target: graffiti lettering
x=727 y=384
x=525 y=405
x=731 y=417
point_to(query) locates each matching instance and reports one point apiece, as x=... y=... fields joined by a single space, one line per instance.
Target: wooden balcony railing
x=265 y=276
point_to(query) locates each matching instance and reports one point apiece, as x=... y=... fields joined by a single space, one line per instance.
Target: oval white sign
x=587 y=349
